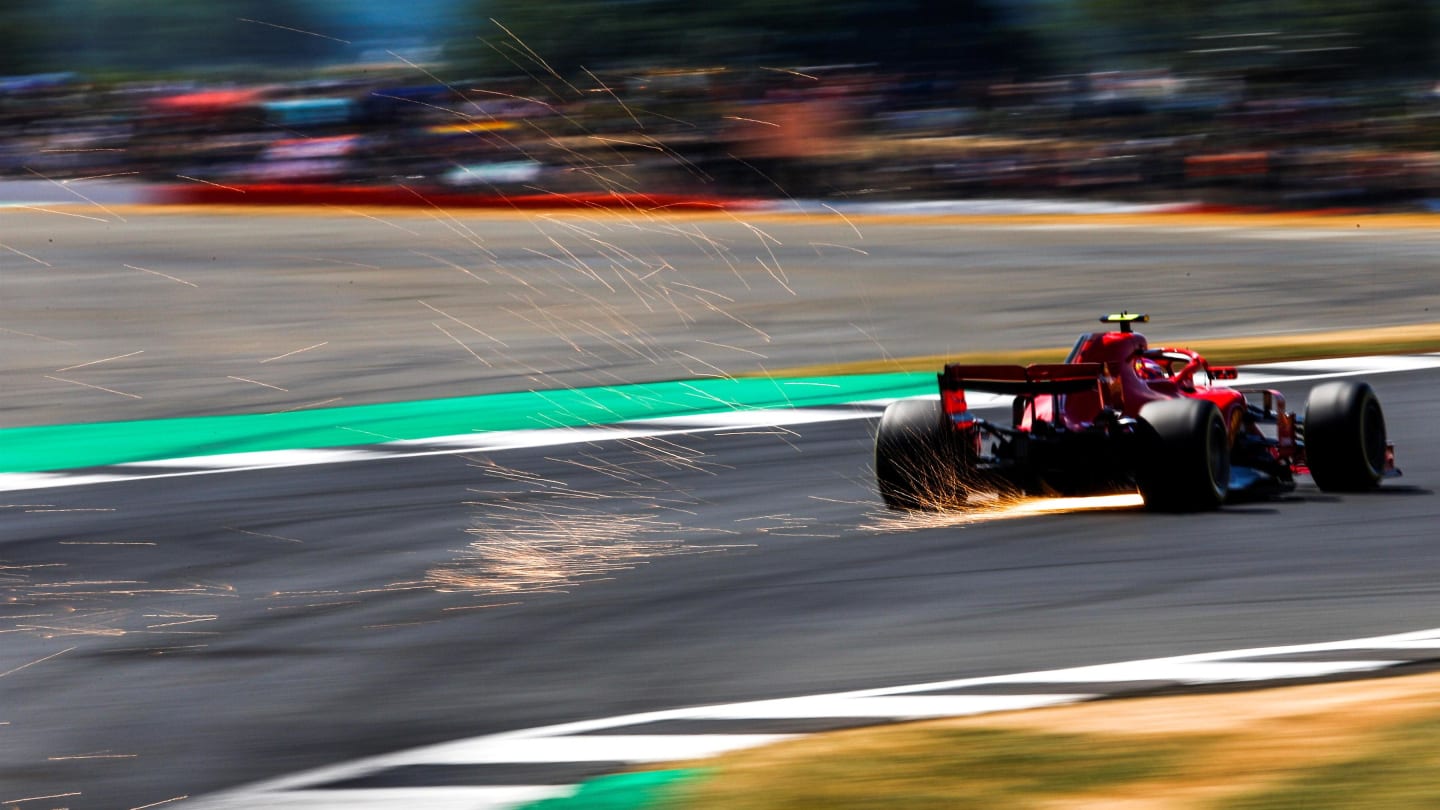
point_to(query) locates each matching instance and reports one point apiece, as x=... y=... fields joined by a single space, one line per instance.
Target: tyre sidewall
x=1183 y=462
x=917 y=457
x=1345 y=436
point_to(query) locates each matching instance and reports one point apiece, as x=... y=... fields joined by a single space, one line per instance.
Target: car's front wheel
x=1344 y=436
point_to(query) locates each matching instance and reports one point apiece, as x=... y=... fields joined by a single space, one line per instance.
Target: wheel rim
x=1218 y=450
x=1372 y=436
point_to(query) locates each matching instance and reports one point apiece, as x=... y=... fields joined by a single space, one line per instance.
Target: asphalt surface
x=213 y=630
x=170 y=638
x=116 y=313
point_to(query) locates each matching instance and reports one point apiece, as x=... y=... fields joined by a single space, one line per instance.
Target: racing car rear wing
x=1040 y=378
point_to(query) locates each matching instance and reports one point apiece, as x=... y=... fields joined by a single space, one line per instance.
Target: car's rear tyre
x=1184 y=456
x=1345 y=437
x=919 y=459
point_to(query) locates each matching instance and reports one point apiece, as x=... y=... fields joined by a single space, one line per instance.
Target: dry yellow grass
x=1261 y=737
x=1204 y=751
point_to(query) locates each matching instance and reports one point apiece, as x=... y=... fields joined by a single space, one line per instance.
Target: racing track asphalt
x=121 y=314
x=215 y=630
x=175 y=637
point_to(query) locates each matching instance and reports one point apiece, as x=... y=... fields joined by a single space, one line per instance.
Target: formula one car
x=1118 y=416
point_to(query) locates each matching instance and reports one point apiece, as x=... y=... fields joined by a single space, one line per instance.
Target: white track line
x=564 y=742
x=756 y=419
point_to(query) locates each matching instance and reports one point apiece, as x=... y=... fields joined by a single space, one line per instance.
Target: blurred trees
x=1293 y=40
x=967 y=36
x=23 y=37
x=1303 y=39
x=1323 y=40
x=137 y=36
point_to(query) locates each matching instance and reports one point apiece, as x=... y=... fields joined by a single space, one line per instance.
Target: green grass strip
x=626 y=791
x=928 y=768
x=61 y=447
x=1398 y=771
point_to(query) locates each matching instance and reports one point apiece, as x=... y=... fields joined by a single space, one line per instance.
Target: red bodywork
x=1110 y=375
x=1119 y=416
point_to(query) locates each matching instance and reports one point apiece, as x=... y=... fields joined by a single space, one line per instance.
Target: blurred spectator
x=812 y=131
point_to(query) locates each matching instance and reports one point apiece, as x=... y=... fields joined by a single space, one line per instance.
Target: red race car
x=1118 y=416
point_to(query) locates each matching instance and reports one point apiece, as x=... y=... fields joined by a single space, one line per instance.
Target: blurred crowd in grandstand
x=834 y=132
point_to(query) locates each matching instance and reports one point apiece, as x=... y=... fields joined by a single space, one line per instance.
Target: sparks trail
x=786 y=525
x=535 y=56
x=620 y=472
x=579 y=263
x=37 y=661
x=718 y=373
x=180 y=620
x=238 y=530
x=44 y=210
x=160 y=274
x=651 y=281
x=8 y=802
x=209 y=183
x=791 y=72
x=704 y=291
x=547 y=535
x=19 y=252
x=369 y=433
x=468 y=118
x=294 y=31
x=372 y=218
x=984 y=507
x=462 y=345
x=750 y=120
x=100 y=176
x=674 y=455
x=311 y=405
x=606 y=89
x=98 y=362
x=467 y=271
x=845 y=219
x=257 y=382
x=288 y=354
x=510 y=473
x=96 y=387
x=38 y=337
x=161 y=803
x=448 y=220
x=465 y=324
x=852 y=249
x=74 y=192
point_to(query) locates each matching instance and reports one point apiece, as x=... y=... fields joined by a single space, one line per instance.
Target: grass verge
x=1373 y=744
x=928 y=768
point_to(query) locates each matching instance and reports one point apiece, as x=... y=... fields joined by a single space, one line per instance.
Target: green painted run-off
x=63 y=447
x=644 y=790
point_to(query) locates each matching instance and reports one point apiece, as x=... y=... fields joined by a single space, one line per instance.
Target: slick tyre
x=1184 y=456
x=918 y=458
x=1345 y=437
